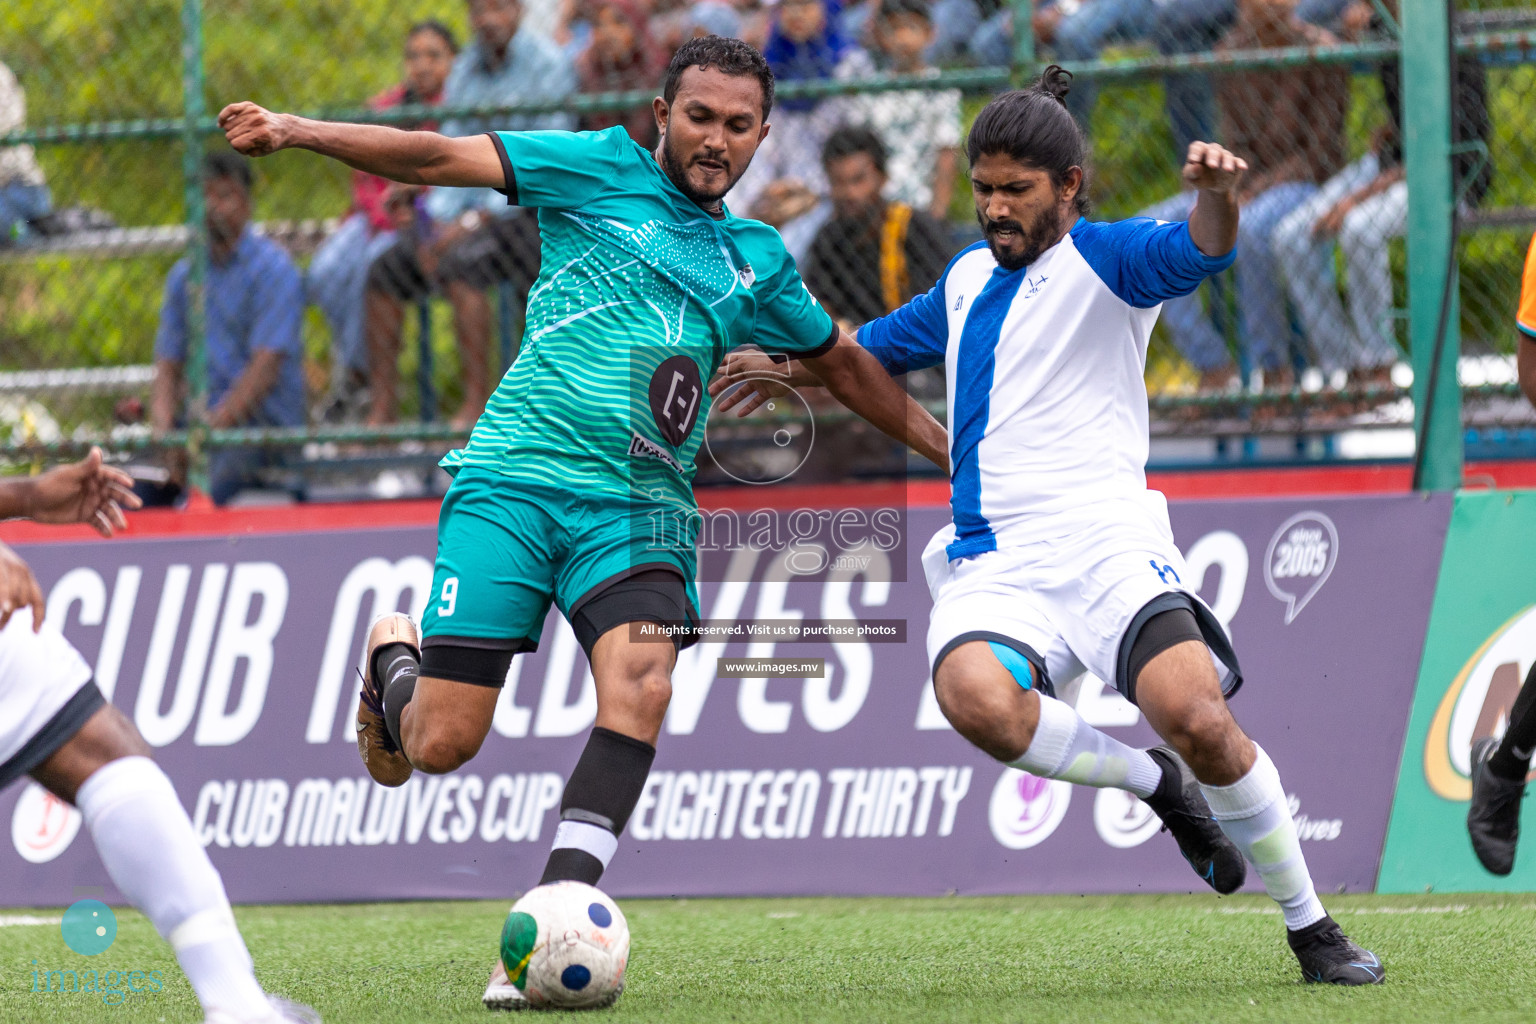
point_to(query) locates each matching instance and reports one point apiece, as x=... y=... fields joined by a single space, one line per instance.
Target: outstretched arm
x=88 y=491
x=1215 y=172
x=849 y=372
x=416 y=158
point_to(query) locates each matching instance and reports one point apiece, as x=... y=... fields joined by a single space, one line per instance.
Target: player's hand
x=253 y=130
x=88 y=491
x=18 y=589
x=747 y=379
x=1213 y=168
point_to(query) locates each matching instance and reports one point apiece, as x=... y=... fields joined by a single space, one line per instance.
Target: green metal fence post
x=196 y=366
x=1426 y=93
x=1023 y=42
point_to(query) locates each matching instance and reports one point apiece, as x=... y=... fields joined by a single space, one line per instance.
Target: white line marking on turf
x=26 y=919
x=1455 y=908
x=780 y=915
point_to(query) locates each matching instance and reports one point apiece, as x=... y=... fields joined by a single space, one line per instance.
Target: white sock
x=1255 y=815
x=152 y=854
x=1066 y=747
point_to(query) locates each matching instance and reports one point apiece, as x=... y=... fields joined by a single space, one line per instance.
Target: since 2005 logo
x=1026 y=809
x=1300 y=558
x=1477 y=704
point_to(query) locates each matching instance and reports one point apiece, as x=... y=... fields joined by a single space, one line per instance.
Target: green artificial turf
x=998 y=960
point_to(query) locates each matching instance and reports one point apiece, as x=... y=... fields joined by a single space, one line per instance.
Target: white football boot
x=283 y=1012
x=501 y=994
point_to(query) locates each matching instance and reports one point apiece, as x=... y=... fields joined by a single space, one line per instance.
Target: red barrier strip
x=202 y=519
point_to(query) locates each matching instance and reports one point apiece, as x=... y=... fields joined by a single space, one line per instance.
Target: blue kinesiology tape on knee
x=1017 y=665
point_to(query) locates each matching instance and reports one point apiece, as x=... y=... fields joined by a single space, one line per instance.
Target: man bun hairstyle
x=1033 y=126
x=728 y=56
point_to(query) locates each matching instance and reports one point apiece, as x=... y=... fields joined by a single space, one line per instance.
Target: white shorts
x=46 y=695
x=1068 y=597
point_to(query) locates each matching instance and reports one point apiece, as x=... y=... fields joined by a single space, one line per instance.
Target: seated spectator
x=872 y=255
x=953 y=23
x=1288 y=124
x=253 y=307
x=712 y=18
x=1073 y=30
x=1195 y=26
x=920 y=127
x=784 y=186
x=338 y=273
x=620 y=58
x=23 y=189
x=467 y=239
x=1364 y=206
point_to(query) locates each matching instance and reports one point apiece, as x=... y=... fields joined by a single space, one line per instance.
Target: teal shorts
x=507 y=548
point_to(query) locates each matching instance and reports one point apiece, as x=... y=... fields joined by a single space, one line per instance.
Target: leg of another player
x=153 y=856
x=1007 y=717
x=634 y=686
x=472 y=324
x=1499 y=770
x=383 y=316
x=1180 y=694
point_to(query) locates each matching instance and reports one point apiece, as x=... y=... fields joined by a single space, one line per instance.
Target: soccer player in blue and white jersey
x=57 y=727
x=1059 y=558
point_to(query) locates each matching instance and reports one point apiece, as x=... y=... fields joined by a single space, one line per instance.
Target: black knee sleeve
x=1160 y=632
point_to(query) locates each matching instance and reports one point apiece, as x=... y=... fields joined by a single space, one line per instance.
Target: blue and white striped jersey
x=1047 y=406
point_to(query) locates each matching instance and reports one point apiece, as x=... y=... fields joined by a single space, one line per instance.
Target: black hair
x=437 y=28
x=1033 y=127
x=851 y=141
x=227 y=164
x=896 y=8
x=728 y=56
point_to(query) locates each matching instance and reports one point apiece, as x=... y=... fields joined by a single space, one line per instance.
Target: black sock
x=1169 y=786
x=1299 y=937
x=599 y=798
x=396 y=667
x=1513 y=758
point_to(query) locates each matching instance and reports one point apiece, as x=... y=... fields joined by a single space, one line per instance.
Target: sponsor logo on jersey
x=747 y=276
x=1026 y=809
x=1122 y=819
x=640 y=448
x=42 y=825
x=675 y=392
x=1477 y=704
x=1300 y=558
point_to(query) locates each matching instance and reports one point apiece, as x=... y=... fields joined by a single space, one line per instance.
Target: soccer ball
x=566 y=945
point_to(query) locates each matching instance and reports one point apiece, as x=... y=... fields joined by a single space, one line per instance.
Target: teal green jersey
x=639 y=296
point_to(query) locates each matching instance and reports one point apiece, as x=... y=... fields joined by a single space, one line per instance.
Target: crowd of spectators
x=862 y=186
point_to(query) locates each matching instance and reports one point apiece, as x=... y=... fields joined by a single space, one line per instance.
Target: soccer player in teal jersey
x=647 y=281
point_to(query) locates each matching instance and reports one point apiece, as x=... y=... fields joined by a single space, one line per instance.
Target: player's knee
x=971 y=704
x=651 y=690
x=1204 y=728
x=441 y=753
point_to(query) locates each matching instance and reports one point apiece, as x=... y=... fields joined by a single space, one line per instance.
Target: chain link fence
x=395 y=310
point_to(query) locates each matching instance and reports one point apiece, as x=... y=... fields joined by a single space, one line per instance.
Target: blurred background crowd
x=348 y=302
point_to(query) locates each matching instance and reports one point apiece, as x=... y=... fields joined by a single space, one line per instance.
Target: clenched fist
x=1212 y=168
x=254 y=130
